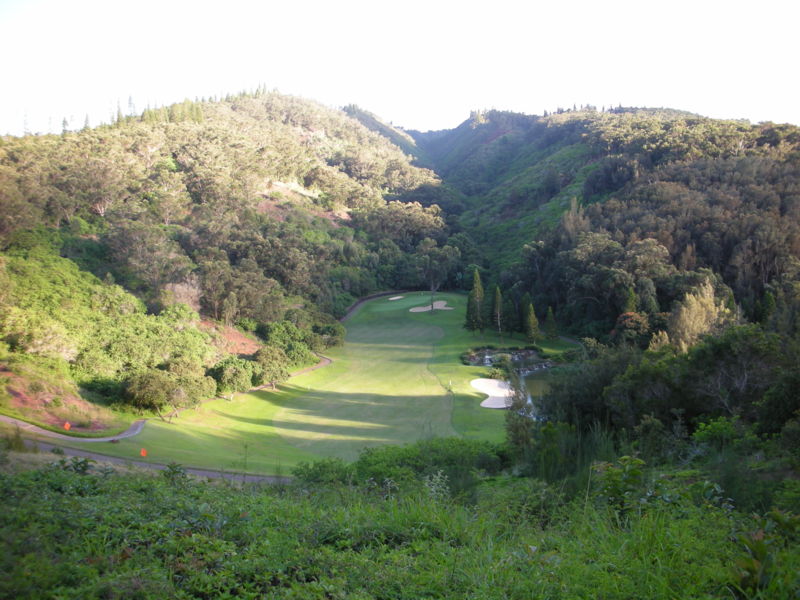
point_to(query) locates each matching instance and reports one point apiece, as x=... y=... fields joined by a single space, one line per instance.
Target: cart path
x=204 y=473
x=353 y=308
x=131 y=431
x=137 y=425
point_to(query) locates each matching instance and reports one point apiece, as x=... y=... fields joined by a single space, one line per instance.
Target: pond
x=537 y=383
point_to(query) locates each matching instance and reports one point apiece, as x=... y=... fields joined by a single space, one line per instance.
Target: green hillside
x=261 y=211
x=643 y=265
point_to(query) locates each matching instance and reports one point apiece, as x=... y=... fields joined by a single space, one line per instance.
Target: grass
x=397 y=379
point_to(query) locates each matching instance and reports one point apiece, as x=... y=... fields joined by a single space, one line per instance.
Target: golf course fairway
x=397 y=379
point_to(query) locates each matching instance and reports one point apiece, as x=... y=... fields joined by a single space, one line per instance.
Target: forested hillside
x=262 y=211
x=667 y=242
x=670 y=243
x=625 y=206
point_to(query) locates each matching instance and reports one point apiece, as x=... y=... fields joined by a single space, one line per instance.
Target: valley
x=179 y=264
x=396 y=379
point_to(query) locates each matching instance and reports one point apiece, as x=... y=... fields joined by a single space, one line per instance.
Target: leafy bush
x=325 y=471
x=724 y=432
x=299 y=355
x=233 y=374
x=143 y=536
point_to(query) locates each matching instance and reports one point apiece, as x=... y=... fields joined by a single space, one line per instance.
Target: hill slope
x=260 y=210
x=718 y=195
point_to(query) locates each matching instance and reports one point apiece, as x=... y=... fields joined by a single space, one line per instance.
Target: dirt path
x=131 y=431
x=324 y=361
x=135 y=429
x=137 y=425
x=102 y=458
x=354 y=307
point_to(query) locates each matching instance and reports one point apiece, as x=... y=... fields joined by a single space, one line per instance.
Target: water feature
x=536 y=383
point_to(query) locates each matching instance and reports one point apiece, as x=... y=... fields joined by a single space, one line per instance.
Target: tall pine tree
x=531 y=324
x=523 y=311
x=474 y=319
x=497 y=311
x=550 y=329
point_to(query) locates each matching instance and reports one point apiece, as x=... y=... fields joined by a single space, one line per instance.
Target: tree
x=151 y=390
x=522 y=307
x=531 y=324
x=497 y=310
x=550 y=327
x=434 y=264
x=232 y=374
x=474 y=318
x=699 y=313
x=274 y=365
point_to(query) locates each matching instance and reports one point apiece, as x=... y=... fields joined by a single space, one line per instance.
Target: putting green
x=397 y=379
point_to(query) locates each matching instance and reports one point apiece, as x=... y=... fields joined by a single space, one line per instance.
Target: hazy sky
x=420 y=64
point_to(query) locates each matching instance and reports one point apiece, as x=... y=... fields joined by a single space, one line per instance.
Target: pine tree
x=471 y=321
x=524 y=302
x=474 y=319
x=511 y=321
x=497 y=310
x=550 y=329
x=531 y=324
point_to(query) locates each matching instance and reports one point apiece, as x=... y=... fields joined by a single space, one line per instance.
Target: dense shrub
x=139 y=536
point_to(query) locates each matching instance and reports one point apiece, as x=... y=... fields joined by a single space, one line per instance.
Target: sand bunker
x=438 y=305
x=499 y=392
x=396 y=297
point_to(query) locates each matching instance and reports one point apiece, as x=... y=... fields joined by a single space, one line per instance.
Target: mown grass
x=397 y=379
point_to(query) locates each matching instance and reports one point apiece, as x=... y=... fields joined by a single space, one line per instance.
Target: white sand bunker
x=396 y=297
x=499 y=392
x=438 y=305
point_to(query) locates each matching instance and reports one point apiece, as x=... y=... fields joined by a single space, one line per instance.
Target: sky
x=420 y=64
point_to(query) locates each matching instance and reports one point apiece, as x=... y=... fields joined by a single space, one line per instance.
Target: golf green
x=396 y=379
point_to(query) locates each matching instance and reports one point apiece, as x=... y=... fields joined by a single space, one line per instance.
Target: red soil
x=229 y=339
x=52 y=406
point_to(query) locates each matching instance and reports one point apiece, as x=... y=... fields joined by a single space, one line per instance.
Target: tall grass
x=151 y=537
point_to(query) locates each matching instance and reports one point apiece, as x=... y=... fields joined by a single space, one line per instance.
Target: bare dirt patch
x=231 y=340
x=51 y=404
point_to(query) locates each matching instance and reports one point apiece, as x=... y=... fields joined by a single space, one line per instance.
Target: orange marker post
x=142 y=452
x=67 y=426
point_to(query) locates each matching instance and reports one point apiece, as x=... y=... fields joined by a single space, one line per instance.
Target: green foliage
x=497 y=310
x=780 y=403
x=14 y=441
x=273 y=364
x=550 y=327
x=324 y=471
x=151 y=537
x=435 y=264
x=181 y=386
x=724 y=432
x=150 y=390
x=54 y=311
x=233 y=374
x=474 y=317
x=620 y=484
x=459 y=460
x=758 y=574
x=530 y=324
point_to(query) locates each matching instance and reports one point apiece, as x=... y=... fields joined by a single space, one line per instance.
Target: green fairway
x=397 y=379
